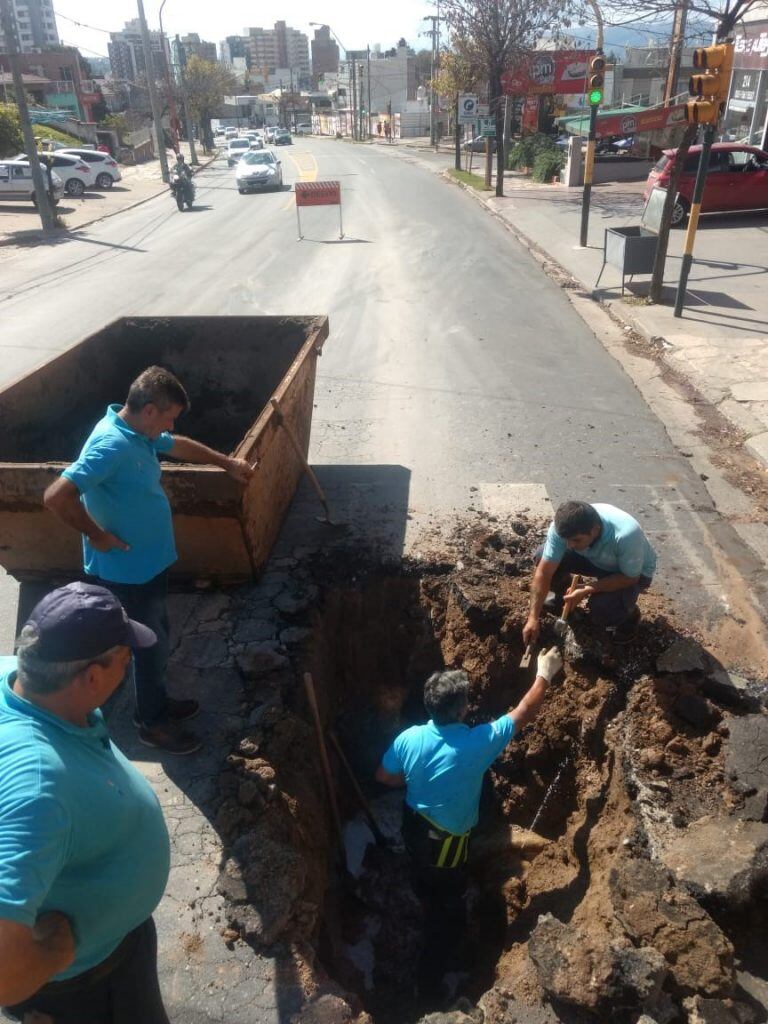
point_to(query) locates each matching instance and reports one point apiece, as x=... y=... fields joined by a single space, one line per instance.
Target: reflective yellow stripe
x=461 y=847
x=444 y=850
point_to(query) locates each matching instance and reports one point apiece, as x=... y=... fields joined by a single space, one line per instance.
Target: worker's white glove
x=549 y=664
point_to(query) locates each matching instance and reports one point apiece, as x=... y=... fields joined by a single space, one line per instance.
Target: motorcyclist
x=182 y=168
x=183 y=173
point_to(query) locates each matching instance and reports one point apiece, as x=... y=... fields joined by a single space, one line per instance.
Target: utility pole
x=151 y=86
x=175 y=123
x=433 y=33
x=353 y=75
x=185 y=100
x=362 y=133
x=676 y=51
x=368 y=133
x=44 y=205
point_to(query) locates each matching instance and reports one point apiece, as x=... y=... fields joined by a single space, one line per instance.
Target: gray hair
x=446 y=696
x=45 y=677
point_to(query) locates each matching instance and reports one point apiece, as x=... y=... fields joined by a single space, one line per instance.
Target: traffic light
x=596 y=80
x=711 y=87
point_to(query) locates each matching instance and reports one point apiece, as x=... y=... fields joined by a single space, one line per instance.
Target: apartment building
x=281 y=47
x=126 y=52
x=35 y=25
x=325 y=54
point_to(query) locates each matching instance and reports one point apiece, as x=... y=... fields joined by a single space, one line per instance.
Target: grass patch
x=473 y=180
x=42 y=131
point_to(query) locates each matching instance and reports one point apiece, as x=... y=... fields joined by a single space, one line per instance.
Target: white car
x=258 y=171
x=269 y=133
x=76 y=174
x=106 y=170
x=303 y=129
x=235 y=149
x=16 y=182
x=255 y=140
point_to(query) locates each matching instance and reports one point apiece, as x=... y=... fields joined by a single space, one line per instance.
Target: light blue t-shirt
x=444 y=766
x=118 y=476
x=622 y=547
x=81 y=830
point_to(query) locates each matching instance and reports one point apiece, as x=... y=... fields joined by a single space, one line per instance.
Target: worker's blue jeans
x=604 y=609
x=147 y=603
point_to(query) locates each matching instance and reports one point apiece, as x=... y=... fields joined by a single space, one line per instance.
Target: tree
x=502 y=33
x=458 y=72
x=207 y=83
x=11 y=139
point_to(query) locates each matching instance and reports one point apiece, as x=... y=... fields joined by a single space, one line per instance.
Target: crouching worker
x=442 y=764
x=84 y=851
x=604 y=544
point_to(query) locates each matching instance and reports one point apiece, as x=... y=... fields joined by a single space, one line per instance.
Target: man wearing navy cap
x=84 y=850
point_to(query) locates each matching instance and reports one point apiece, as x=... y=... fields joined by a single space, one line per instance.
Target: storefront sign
x=751 y=46
x=642 y=121
x=549 y=71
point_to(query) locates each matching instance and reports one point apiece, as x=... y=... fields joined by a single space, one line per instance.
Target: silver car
x=16 y=182
x=258 y=170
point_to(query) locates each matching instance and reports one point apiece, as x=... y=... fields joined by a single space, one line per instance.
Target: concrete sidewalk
x=20 y=222
x=721 y=342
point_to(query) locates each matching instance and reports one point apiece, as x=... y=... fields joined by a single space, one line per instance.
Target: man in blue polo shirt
x=113 y=496
x=601 y=542
x=442 y=765
x=84 y=851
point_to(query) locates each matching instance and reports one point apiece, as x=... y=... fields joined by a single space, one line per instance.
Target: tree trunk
x=497 y=99
x=659 y=263
x=457 y=131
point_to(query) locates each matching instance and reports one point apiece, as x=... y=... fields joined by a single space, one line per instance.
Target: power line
x=81 y=24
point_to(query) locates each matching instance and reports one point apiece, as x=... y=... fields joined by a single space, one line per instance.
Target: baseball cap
x=82 y=621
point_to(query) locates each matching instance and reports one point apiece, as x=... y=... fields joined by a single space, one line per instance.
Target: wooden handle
x=567 y=606
x=309 y=686
x=297 y=448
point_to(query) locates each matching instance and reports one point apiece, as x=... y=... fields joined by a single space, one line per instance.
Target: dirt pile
x=602 y=909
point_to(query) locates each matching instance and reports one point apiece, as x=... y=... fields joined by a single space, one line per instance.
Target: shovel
x=561 y=624
x=307 y=468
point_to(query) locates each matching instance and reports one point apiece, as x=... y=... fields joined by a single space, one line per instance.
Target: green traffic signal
x=596 y=97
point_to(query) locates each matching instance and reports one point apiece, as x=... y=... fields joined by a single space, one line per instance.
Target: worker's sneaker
x=170 y=738
x=176 y=711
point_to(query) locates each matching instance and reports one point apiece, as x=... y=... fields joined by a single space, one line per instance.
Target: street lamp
x=171 y=99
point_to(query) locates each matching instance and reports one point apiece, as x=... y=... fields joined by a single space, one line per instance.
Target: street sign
x=467 y=109
x=318 y=193
x=486 y=126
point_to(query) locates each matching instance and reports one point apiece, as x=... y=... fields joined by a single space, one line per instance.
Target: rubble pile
x=641 y=894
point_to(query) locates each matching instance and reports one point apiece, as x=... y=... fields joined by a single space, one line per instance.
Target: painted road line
x=307 y=169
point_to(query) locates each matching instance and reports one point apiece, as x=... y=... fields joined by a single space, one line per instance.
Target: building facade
x=234 y=47
x=280 y=47
x=54 y=79
x=389 y=79
x=746 y=116
x=35 y=25
x=126 y=53
x=194 y=46
x=325 y=54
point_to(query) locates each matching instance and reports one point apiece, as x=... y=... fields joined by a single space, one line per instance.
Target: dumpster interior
x=592 y=889
x=230 y=366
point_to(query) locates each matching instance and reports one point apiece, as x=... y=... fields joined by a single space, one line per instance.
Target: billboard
x=549 y=71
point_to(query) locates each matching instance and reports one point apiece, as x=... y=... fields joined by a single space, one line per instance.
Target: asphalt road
x=451 y=354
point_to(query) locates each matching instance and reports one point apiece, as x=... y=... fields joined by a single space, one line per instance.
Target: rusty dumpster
x=231 y=368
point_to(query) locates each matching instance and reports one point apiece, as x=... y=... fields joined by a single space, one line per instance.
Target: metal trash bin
x=633 y=249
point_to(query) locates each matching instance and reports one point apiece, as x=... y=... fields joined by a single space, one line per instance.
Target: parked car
x=283 y=137
x=16 y=182
x=477 y=145
x=75 y=173
x=737 y=179
x=230 y=133
x=106 y=169
x=303 y=129
x=235 y=149
x=255 y=140
x=258 y=171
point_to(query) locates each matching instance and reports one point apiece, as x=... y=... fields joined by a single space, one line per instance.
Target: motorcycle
x=182 y=189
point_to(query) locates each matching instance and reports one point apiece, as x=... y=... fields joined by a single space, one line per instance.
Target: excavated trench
x=582 y=916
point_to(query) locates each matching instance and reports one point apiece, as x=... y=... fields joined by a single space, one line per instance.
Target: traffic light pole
x=693 y=218
x=589 y=167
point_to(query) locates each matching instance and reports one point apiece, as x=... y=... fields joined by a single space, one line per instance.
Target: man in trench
x=112 y=495
x=84 y=849
x=600 y=542
x=442 y=765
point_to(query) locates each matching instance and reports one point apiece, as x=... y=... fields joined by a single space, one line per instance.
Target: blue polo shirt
x=118 y=476
x=81 y=830
x=444 y=766
x=622 y=547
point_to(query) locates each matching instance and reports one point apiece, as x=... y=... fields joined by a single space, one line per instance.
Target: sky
x=356 y=24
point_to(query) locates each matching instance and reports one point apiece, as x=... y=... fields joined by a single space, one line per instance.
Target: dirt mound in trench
x=585 y=917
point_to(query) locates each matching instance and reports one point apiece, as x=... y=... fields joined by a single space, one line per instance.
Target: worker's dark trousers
x=147 y=603
x=442 y=892
x=604 y=609
x=129 y=993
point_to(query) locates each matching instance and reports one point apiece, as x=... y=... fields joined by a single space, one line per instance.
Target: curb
x=615 y=307
x=105 y=216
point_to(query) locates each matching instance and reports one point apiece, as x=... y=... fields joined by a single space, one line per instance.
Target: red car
x=737 y=179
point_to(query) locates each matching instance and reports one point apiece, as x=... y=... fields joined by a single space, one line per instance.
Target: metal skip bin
x=231 y=368
x=633 y=249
